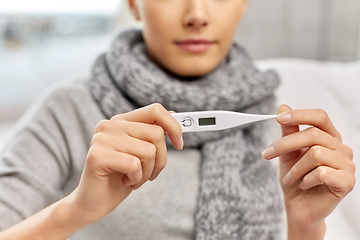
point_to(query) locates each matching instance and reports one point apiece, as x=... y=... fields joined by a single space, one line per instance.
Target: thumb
x=286 y=130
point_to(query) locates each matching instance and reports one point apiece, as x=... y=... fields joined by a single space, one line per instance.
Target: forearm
x=58 y=221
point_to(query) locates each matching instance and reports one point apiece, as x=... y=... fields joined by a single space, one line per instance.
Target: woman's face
x=188 y=37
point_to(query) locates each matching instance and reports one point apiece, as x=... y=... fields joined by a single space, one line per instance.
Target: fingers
x=313 y=117
x=337 y=181
x=322 y=133
x=112 y=161
x=286 y=130
x=145 y=142
x=141 y=134
x=300 y=140
x=155 y=135
x=315 y=157
x=146 y=153
x=156 y=114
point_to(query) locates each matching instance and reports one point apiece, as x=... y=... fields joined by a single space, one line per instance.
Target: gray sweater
x=44 y=159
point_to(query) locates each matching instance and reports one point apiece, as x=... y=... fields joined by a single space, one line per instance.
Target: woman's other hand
x=316 y=170
x=125 y=152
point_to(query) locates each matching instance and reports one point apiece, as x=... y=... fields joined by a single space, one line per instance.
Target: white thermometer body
x=215 y=120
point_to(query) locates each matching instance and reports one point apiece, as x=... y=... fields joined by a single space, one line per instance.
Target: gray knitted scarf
x=239 y=195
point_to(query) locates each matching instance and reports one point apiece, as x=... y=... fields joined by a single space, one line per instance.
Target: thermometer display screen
x=207 y=121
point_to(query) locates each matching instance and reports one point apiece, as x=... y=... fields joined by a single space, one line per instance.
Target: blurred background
x=46 y=42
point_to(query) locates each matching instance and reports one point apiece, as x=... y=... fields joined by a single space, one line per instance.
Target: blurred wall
x=313 y=29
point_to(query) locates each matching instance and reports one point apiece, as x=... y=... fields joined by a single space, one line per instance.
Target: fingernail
x=268 y=152
x=284 y=117
x=181 y=143
x=287 y=178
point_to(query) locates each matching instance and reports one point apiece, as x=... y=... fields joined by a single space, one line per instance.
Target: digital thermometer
x=215 y=120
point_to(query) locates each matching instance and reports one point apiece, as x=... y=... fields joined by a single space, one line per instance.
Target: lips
x=195 y=45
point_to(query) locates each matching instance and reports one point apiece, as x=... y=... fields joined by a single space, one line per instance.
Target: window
x=45 y=42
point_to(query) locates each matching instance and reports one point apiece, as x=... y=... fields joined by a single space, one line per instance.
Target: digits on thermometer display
x=215 y=120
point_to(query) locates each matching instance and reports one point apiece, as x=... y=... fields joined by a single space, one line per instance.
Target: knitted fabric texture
x=239 y=194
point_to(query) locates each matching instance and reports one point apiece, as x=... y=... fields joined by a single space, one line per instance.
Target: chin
x=193 y=69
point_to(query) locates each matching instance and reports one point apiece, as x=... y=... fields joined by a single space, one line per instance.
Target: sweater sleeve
x=43 y=160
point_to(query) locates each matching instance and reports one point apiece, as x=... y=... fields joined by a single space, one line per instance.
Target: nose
x=196 y=15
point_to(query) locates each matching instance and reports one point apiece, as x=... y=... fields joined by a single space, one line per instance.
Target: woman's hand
x=125 y=152
x=316 y=170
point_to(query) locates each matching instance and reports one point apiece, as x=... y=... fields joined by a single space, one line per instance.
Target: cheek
x=225 y=24
x=160 y=20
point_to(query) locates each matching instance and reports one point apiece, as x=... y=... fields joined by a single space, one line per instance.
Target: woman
x=218 y=187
